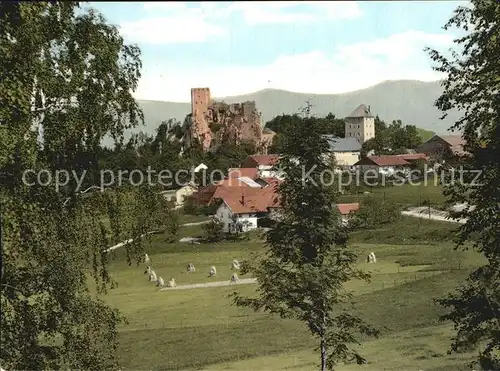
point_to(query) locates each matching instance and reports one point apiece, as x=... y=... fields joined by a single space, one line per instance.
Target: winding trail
x=123 y=243
x=242 y=281
x=423 y=212
x=195 y=223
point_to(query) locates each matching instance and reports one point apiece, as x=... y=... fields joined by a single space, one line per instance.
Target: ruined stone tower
x=200 y=102
x=212 y=123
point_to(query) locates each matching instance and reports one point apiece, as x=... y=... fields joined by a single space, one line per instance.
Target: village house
x=442 y=147
x=346 y=151
x=206 y=195
x=346 y=211
x=388 y=165
x=243 y=172
x=236 y=178
x=179 y=195
x=264 y=164
x=240 y=208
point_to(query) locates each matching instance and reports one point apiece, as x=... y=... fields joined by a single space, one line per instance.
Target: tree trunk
x=323 y=345
x=323 y=354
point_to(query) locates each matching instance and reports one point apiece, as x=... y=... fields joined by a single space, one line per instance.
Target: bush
x=374 y=212
x=213 y=231
x=190 y=208
x=265 y=222
x=172 y=227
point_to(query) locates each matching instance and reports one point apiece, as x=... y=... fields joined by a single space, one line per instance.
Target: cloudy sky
x=311 y=47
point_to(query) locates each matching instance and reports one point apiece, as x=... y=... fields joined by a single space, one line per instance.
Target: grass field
x=404 y=195
x=408 y=231
x=200 y=329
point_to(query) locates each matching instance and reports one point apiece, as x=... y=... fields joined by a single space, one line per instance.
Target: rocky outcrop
x=213 y=123
x=235 y=123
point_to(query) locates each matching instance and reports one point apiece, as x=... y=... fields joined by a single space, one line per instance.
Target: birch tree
x=307 y=260
x=66 y=82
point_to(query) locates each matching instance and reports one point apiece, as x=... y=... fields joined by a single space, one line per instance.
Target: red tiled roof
x=231 y=182
x=250 y=172
x=414 y=156
x=250 y=200
x=207 y=194
x=266 y=160
x=204 y=195
x=273 y=182
x=345 y=209
x=392 y=160
x=388 y=160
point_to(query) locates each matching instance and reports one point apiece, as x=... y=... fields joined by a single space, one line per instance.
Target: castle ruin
x=211 y=123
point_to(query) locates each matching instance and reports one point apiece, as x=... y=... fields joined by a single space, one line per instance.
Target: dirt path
x=423 y=212
x=195 y=223
x=243 y=281
x=123 y=243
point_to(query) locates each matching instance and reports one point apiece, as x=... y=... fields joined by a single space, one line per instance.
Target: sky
x=306 y=46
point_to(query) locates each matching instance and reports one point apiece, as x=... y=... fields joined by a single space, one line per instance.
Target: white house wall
x=347 y=158
x=271 y=174
x=225 y=215
x=181 y=194
x=248 y=222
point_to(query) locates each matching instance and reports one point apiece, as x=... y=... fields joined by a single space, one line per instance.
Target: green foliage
x=172 y=227
x=402 y=136
x=215 y=127
x=392 y=139
x=190 y=207
x=275 y=147
x=213 y=231
x=407 y=231
x=327 y=125
x=374 y=212
x=265 y=222
x=65 y=73
x=280 y=124
x=472 y=85
x=229 y=155
x=307 y=262
x=425 y=135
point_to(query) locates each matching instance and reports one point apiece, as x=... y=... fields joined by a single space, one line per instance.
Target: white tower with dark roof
x=360 y=124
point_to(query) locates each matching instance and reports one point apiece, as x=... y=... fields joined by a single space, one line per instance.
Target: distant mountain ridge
x=409 y=100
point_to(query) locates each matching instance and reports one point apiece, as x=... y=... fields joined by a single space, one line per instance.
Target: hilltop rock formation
x=213 y=123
